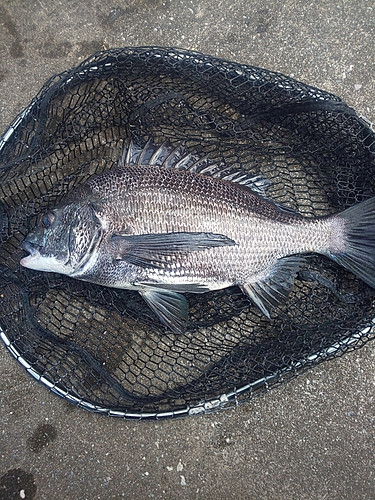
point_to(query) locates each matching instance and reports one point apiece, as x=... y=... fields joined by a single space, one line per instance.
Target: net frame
x=252 y=96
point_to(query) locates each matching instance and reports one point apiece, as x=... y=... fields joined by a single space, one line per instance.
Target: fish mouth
x=31 y=249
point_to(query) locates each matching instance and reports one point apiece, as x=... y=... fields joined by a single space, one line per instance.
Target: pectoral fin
x=150 y=250
x=273 y=290
x=171 y=308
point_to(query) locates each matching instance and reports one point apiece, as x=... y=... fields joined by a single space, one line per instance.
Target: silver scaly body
x=164 y=222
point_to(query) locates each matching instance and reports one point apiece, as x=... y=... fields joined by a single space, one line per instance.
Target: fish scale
x=182 y=226
x=169 y=210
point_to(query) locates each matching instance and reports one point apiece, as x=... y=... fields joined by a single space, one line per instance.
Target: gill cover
x=64 y=239
x=84 y=237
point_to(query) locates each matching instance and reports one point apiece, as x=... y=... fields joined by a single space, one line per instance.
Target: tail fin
x=358 y=255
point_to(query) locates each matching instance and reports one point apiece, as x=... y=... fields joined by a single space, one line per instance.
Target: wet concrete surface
x=312 y=438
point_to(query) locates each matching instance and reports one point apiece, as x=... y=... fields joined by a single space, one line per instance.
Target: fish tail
x=353 y=242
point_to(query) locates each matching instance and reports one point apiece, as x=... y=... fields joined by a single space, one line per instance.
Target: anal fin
x=273 y=290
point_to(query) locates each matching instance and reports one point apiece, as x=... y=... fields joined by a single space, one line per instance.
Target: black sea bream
x=165 y=222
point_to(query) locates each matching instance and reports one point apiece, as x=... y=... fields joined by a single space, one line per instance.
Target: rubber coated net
x=104 y=348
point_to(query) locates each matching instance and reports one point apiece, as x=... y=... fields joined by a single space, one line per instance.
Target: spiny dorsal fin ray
x=162 y=153
x=147 y=153
x=169 y=156
x=273 y=290
x=130 y=155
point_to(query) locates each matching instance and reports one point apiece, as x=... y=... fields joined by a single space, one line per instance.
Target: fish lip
x=32 y=250
x=29 y=247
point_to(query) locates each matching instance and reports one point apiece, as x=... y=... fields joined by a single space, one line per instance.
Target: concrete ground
x=312 y=438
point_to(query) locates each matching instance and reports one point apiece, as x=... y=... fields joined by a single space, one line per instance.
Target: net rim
x=225 y=400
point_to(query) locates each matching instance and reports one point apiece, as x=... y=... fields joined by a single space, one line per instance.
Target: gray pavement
x=312 y=438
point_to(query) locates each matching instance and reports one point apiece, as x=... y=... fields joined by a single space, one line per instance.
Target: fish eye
x=48 y=220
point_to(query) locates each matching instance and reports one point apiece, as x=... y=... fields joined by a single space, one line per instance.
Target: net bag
x=104 y=349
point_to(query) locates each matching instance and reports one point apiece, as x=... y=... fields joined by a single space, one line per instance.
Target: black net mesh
x=103 y=348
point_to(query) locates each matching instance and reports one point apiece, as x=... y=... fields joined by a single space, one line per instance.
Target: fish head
x=63 y=240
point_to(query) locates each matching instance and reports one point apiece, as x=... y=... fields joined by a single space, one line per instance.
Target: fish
x=165 y=222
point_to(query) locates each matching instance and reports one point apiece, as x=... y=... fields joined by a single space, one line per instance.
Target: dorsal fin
x=169 y=156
